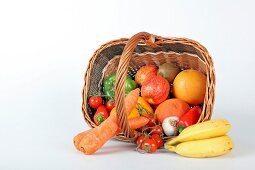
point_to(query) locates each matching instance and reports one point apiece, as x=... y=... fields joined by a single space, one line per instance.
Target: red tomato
x=149 y=145
x=139 y=129
x=103 y=111
x=95 y=101
x=157 y=130
x=140 y=140
x=110 y=105
x=101 y=114
x=158 y=139
x=152 y=121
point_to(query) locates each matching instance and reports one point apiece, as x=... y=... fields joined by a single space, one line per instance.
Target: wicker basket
x=128 y=55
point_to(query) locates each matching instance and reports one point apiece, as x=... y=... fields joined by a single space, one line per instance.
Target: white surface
x=46 y=45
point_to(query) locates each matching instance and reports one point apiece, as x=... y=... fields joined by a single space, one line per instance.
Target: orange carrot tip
x=137 y=122
x=77 y=139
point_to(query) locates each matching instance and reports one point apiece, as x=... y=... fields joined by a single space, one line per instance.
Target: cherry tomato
x=100 y=115
x=110 y=105
x=145 y=129
x=158 y=139
x=139 y=129
x=95 y=101
x=140 y=140
x=152 y=121
x=149 y=145
x=157 y=130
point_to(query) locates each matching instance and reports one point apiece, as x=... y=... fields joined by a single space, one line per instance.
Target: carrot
x=98 y=136
x=137 y=122
x=77 y=139
x=131 y=100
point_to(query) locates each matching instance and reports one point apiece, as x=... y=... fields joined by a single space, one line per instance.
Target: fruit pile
x=206 y=139
x=161 y=103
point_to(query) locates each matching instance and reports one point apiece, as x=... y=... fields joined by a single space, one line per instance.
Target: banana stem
x=170 y=148
x=172 y=142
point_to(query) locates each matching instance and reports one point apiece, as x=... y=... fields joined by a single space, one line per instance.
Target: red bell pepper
x=189 y=118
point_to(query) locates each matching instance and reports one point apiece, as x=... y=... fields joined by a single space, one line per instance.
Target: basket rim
x=148 y=53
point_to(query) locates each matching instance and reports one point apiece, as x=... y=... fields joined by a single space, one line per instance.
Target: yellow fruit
x=142 y=108
x=134 y=113
x=204 y=130
x=204 y=148
x=190 y=86
x=113 y=110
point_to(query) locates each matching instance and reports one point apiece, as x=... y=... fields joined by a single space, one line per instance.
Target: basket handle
x=142 y=37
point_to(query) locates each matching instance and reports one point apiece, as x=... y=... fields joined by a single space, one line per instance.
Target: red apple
x=145 y=72
x=155 y=89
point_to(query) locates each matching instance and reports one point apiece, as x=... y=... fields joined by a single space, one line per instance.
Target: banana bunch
x=206 y=139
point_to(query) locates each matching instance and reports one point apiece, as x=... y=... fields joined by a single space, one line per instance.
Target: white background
x=45 y=47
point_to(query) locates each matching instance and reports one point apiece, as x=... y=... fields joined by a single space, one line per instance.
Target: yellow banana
x=204 y=130
x=203 y=148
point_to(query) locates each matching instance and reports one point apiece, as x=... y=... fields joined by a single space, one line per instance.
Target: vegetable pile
x=160 y=103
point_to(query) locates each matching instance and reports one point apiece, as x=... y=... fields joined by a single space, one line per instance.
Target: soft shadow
x=116 y=148
x=243 y=148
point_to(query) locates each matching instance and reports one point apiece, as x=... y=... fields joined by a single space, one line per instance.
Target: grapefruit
x=190 y=86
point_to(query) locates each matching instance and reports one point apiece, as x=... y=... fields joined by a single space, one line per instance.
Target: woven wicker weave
x=128 y=55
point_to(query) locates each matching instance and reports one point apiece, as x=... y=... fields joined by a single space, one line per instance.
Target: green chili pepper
x=109 y=86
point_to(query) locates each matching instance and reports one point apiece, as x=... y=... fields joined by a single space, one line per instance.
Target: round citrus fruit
x=171 y=107
x=190 y=86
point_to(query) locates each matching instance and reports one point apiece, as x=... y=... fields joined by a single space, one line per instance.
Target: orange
x=171 y=107
x=190 y=86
